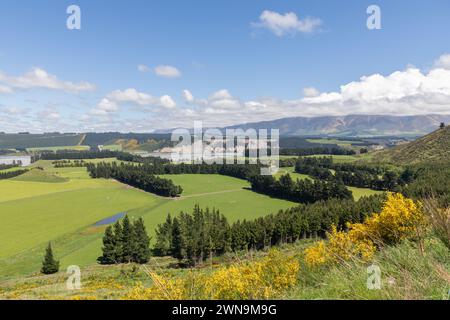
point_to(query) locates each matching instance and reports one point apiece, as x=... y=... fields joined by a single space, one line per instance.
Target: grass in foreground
x=405 y=274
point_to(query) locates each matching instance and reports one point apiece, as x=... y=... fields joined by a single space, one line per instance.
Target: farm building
x=20 y=160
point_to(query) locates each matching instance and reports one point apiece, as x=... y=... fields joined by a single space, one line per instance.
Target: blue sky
x=234 y=65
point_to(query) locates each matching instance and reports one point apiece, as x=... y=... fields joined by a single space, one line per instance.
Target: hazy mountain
x=353 y=125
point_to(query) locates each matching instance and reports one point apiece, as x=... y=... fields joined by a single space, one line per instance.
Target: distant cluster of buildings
x=22 y=161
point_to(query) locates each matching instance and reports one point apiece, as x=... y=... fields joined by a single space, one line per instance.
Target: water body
x=111 y=219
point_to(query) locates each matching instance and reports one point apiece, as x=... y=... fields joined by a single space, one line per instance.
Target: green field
x=341 y=158
x=113 y=147
x=341 y=143
x=35 y=210
x=77 y=148
x=291 y=171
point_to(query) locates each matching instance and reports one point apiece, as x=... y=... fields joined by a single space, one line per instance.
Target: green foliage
x=109 y=247
x=302 y=191
x=354 y=175
x=11 y=174
x=193 y=237
x=23 y=141
x=135 y=175
x=49 y=264
x=125 y=243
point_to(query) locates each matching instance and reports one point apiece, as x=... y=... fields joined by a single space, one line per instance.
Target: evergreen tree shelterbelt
x=125 y=242
x=202 y=234
x=49 y=264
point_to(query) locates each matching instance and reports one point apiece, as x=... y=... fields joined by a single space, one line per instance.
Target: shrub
x=400 y=219
x=263 y=279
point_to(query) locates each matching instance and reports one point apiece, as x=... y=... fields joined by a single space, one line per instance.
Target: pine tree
x=118 y=248
x=109 y=248
x=49 y=264
x=128 y=240
x=177 y=241
x=142 y=242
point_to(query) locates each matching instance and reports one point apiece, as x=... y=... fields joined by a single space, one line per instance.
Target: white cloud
x=114 y=99
x=108 y=105
x=143 y=68
x=443 y=62
x=167 y=102
x=14 y=110
x=5 y=89
x=310 y=92
x=288 y=23
x=187 y=96
x=221 y=95
x=39 y=78
x=406 y=88
x=133 y=96
x=167 y=71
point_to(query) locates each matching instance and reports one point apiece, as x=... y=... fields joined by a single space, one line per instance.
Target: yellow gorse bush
x=263 y=279
x=401 y=218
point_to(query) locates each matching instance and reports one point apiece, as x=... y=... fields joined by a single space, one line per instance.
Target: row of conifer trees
x=193 y=237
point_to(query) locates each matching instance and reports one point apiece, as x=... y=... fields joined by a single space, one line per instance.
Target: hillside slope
x=432 y=148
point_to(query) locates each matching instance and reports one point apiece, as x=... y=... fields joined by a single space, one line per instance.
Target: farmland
x=62 y=204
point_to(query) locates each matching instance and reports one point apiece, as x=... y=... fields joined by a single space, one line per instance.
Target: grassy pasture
x=205 y=183
x=34 y=220
x=35 y=212
x=77 y=148
x=40 y=176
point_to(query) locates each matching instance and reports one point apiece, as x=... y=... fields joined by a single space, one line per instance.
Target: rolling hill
x=432 y=148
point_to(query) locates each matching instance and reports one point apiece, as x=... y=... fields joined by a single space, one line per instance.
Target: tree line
x=11 y=174
x=137 y=176
x=202 y=234
x=316 y=151
x=302 y=191
x=354 y=175
x=8 y=166
x=69 y=164
x=125 y=242
x=430 y=180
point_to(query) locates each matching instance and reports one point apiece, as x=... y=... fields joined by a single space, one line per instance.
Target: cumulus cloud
x=39 y=78
x=167 y=102
x=167 y=71
x=443 y=62
x=143 y=68
x=403 y=92
x=111 y=102
x=288 y=23
x=310 y=92
x=187 y=96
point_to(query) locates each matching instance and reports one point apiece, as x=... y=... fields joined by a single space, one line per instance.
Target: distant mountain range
x=353 y=125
